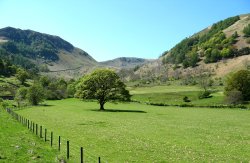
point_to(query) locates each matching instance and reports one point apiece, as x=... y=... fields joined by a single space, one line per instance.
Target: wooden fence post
x=51 y=139
x=36 y=129
x=28 y=124
x=99 y=159
x=59 y=143
x=41 y=131
x=67 y=149
x=45 y=135
x=81 y=154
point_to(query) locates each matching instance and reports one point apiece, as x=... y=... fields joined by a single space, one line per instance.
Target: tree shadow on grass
x=119 y=111
x=46 y=105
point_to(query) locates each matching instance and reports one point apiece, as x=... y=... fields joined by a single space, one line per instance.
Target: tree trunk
x=102 y=106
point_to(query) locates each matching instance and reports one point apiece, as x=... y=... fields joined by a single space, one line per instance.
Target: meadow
x=19 y=145
x=133 y=132
x=174 y=94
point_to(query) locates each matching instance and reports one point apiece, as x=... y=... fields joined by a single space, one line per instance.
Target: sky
x=107 y=29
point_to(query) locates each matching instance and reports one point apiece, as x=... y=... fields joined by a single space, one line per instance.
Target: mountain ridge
x=53 y=55
x=58 y=55
x=125 y=62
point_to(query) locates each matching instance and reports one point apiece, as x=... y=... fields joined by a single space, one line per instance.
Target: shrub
x=234 y=97
x=185 y=99
x=243 y=51
x=5 y=104
x=22 y=75
x=248 y=40
x=239 y=81
x=71 y=90
x=246 y=31
x=20 y=96
x=205 y=94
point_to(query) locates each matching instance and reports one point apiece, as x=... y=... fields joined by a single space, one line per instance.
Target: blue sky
x=108 y=29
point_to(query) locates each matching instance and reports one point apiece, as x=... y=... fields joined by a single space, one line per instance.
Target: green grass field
x=174 y=94
x=19 y=145
x=132 y=132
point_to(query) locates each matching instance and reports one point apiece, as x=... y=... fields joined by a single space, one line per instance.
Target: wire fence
x=68 y=150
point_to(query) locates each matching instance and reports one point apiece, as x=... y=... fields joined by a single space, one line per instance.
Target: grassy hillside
x=18 y=144
x=216 y=48
x=222 y=40
x=132 y=132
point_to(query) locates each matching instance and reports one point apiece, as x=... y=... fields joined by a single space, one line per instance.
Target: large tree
x=103 y=85
x=35 y=94
x=239 y=81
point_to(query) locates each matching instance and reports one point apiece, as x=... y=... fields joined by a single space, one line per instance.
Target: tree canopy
x=103 y=85
x=22 y=75
x=239 y=81
x=35 y=94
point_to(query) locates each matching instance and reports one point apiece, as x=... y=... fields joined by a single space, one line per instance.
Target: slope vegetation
x=221 y=48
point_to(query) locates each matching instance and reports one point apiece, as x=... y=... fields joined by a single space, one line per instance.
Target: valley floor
x=133 y=132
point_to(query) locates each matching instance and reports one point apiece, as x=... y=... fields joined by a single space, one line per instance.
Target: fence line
x=64 y=146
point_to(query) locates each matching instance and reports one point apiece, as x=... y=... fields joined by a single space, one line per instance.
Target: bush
x=248 y=40
x=246 y=31
x=185 y=99
x=243 y=51
x=1 y=101
x=22 y=75
x=20 y=96
x=205 y=94
x=5 y=104
x=234 y=97
x=71 y=90
x=239 y=81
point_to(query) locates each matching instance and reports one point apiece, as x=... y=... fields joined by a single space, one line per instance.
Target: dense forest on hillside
x=212 y=45
x=18 y=60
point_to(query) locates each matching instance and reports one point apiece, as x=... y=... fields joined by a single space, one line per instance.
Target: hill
x=222 y=40
x=46 y=52
x=53 y=56
x=125 y=62
x=220 y=48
